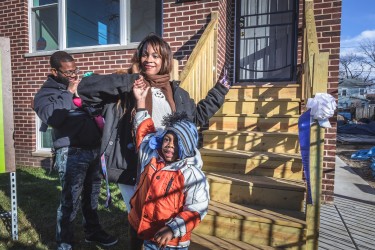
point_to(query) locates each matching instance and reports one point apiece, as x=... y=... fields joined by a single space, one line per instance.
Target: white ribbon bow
x=322 y=107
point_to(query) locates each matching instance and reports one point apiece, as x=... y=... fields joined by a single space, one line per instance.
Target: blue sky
x=357 y=23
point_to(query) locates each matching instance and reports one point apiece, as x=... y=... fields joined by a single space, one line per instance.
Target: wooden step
x=278 y=142
x=207 y=242
x=265 y=90
x=256 y=190
x=254 y=122
x=253 y=163
x=254 y=225
x=254 y=106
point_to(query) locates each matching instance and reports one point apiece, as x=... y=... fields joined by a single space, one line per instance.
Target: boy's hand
x=139 y=83
x=140 y=96
x=72 y=88
x=140 y=93
x=163 y=236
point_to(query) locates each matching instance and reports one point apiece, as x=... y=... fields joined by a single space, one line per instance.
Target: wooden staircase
x=252 y=162
x=251 y=152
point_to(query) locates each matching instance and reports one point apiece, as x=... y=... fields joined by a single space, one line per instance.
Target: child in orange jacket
x=172 y=193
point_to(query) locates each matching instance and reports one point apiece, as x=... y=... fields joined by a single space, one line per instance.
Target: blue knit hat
x=185 y=130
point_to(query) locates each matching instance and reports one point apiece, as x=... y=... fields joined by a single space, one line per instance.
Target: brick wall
x=31 y=77
x=29 y=73
x=226 y=35
x=328 y=25
x=183 y=24
x=13 y=24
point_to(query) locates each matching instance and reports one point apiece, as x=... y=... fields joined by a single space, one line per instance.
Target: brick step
x=256 y=190
x=254 y=225
x=253 y=163
x=277 y=142
x=205 y=242
x=255 y=106
x=254 y=122
x=265 y=90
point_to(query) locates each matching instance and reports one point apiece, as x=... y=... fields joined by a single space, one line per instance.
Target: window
x=44 y=139
x=343 y=92
x=61 y=24
x=361 y=91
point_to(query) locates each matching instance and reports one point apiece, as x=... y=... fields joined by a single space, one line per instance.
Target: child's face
x=169 y=147
x=151 y=61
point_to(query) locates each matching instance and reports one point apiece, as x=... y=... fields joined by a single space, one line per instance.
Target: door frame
x=237 y=30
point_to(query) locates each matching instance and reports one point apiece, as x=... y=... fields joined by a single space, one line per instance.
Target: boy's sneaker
x=102 y=238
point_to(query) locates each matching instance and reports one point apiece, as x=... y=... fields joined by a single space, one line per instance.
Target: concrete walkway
x=350 y=222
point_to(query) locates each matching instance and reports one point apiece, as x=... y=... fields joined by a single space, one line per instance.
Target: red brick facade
x=328 y=25
x=183 y=24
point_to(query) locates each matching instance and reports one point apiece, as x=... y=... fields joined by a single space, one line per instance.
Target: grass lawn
x=37 y=197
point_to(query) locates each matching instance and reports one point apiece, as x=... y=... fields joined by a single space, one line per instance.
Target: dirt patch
x=362 y=168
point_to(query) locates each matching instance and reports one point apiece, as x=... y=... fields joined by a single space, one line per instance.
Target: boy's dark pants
x=79 y=173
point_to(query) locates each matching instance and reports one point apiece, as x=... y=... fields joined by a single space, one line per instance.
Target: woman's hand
x=225 y=80
x=163 y=236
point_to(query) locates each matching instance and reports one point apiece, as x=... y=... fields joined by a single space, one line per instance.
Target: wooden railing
x=315 y=63
x=199 y=74
x=314 y=80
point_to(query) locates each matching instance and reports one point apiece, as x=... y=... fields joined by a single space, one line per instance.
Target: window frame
x=38 y=135
x=62 y=41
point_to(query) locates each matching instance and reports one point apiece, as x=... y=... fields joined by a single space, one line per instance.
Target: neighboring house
x=355 y=99
x=270 y=48
x=354 y=92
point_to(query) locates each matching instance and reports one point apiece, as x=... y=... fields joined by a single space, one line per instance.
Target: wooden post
x=316 y=171
x=320 y=72
x=312 y=38
x=7 y=154
x=214 y=16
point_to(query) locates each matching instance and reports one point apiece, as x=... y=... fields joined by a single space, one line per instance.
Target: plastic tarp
x=359 y=129
x=366 y=154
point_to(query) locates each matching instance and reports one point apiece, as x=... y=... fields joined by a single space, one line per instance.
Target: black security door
x=266 y=40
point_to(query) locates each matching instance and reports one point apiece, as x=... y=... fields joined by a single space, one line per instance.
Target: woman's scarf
x=161 y=82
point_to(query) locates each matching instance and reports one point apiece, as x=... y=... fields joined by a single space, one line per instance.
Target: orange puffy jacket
x=175 y=195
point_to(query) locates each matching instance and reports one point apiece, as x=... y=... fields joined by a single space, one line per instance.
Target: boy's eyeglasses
x=69 y=73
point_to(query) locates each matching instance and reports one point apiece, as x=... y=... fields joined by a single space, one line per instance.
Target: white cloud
x=351 y=45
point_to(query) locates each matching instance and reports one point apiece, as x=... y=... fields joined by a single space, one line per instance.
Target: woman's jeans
x=79 y=173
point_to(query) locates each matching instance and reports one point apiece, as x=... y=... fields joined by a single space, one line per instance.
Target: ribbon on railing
x=304 y=125
x=104 y=170
x=322 y=107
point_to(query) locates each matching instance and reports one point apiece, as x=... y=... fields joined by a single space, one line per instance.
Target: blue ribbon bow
x=304 y=141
